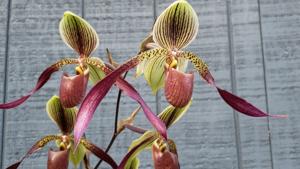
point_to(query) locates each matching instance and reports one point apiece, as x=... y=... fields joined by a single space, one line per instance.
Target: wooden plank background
x=252 y=48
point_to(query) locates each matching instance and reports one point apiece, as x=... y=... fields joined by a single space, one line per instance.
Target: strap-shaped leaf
x=177 y=26
x=63 y=117
x=136 y=147
x=78 y=34
x=44 y=77
x=171 y=114
x=36 y=147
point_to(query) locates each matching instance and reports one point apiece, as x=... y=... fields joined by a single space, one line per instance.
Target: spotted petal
x=78 y=34
x=176 y=27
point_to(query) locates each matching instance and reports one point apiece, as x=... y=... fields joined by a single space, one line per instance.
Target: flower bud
x=178 y=87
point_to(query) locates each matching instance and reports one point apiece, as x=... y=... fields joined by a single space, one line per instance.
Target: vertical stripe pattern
x=176 y=27
x=78 y=34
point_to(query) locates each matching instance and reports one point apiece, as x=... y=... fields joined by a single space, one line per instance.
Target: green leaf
x=154 y=72
x=77 y=156
x=64 y=118
x=176 y=27
x=171 y=114
x=96 y=74
x=78 y=34
x=138 y=145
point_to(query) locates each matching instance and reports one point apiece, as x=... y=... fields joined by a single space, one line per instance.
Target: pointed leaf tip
x=78 y=34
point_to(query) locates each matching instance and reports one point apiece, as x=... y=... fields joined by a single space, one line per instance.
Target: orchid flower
x=175 y=28
x=64 y=118
x=79 y=35
x=162 y=150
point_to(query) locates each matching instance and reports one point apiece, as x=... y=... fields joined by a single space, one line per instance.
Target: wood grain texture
x=34 y=44
x=121 y=26
x=205 y=137
x=3 y=29
x=248 y=65
x=281 y=39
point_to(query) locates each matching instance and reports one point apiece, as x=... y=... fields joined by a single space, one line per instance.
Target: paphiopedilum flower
x=170 y=115
x=64 y=118
x=79 y=35
x=174 y=29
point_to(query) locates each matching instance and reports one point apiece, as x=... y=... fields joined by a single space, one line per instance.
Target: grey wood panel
x=205 y=137
x=34 y=44
x=255 y=150
x=281 y=39
x=3 y=29
x=121 y=26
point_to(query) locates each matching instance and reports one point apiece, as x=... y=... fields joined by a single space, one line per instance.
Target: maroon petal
x=58 y=159
x=98 y=92
x=238 y=103
x=36 y=147
x=99 y=153
x=73 y=88
x=44 y=77
x=178 y=87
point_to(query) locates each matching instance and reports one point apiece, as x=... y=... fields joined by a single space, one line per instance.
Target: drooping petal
x=176 y=27
x=232 y=100
x=98 y=92
x=178 y=87
x=78 y=34
x=154 y=72
x=99 y=153
x=72 y=89
x=136 y=147
x=63 y=117
x=171 y=114
x=163 y=157
x=58 y=159
x=44 y=77
x=36 y=147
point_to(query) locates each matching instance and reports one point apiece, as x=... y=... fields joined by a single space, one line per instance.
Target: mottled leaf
x=176 y=26
x=78 y=34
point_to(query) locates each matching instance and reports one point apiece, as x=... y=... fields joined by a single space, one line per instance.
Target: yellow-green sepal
x=78 y=34
x=76 y=156
x=64 y=118
x=96 y=73
x=154 y=72
x=176 y=27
